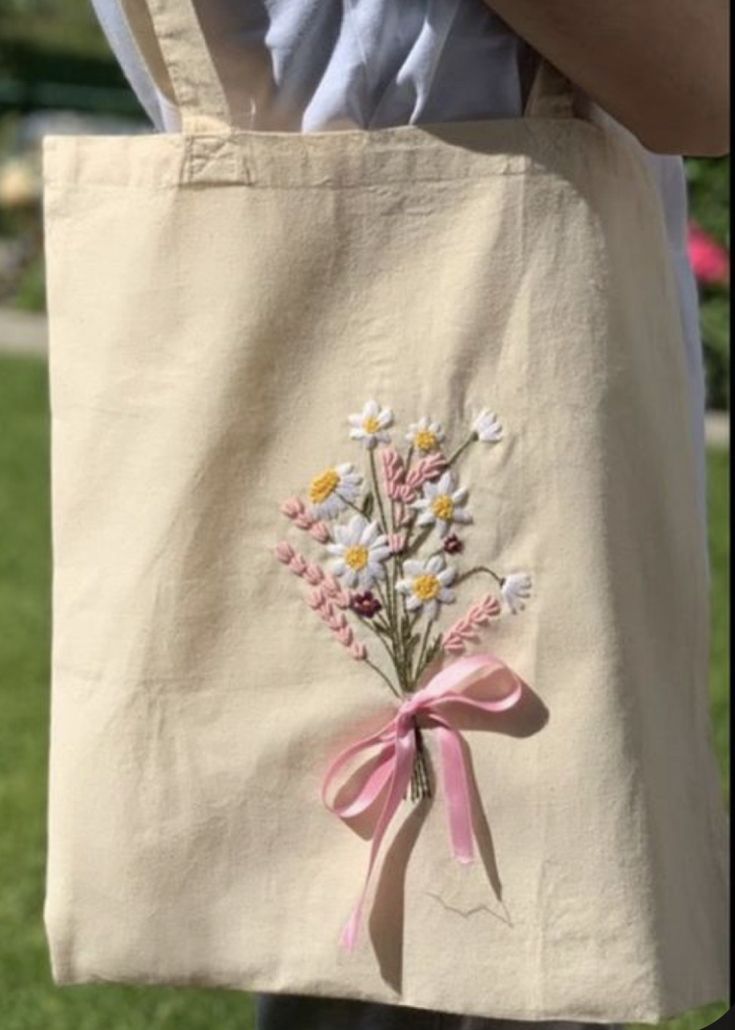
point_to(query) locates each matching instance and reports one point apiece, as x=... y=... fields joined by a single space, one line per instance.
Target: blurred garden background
x=57 y=75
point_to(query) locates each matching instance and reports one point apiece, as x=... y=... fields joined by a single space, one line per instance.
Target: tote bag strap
x=171 y=28
x=552 y=95
x=190 y=73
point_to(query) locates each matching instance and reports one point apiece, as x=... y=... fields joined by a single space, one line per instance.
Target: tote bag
x=380 y=616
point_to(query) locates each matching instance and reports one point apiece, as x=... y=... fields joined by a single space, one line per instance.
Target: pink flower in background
x=710 y=261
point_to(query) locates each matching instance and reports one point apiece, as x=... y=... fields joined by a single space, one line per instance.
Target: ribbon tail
x=371 y=787
x=350 y=933
x=455 y=778
x=405 y=753
x=342 y=759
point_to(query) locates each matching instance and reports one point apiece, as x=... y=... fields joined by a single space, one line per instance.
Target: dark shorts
x=293 y=1012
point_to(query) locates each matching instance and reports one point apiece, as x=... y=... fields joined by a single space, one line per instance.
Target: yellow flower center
x=371 y=424
x=425 y=440
x=426 y=587
x=443 y=507
x=323 y=485
x=357 y=557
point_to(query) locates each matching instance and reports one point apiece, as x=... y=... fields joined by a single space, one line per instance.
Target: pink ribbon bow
x=478 y=675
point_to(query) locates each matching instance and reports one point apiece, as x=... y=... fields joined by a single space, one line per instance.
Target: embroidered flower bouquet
x=391 y=539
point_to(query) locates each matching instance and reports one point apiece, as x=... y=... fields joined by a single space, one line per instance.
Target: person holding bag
x=378 y=493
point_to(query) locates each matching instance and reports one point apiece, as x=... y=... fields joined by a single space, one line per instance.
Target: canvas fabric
x=220 y=302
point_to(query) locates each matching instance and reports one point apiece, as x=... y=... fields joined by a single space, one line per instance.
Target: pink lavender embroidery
x=465 y=630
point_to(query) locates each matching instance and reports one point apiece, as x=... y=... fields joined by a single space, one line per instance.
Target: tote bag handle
x=551 y=95
x=171 y=29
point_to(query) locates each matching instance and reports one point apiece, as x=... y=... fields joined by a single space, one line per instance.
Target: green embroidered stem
x=398 y=574
x=422 y=766
x=461 y=449
x=474 y=571
x=391 y=601
x=386 y=597
x=381 y=592
x=420 y=783
x=396 y=650
x=419 y=541
x=386 y=529
x=429 y=657
x=422 y=652
x=383 y=676
x=407 y=546
x=393 y=608
x=410 y=526
x=378 y=496
x=400 y=612
x=392 y=627
x=388 y=648
x=408 y=641
x=351 y=505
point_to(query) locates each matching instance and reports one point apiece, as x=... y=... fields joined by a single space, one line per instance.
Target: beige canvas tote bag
x=380 y=609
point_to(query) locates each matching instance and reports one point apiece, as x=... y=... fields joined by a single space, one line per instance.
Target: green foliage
x=715 y=322
x=31 y=293
x=719 y=549
x=30 y=1001
x=67 y=25
x=709 y=200
x=709 y=194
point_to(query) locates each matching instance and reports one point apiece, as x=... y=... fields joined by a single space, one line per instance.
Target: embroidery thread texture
x=391 y=536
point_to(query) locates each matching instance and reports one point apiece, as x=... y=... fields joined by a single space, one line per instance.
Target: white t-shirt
x=308 y=65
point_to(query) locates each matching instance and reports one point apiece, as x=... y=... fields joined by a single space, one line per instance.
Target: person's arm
x=660 y=67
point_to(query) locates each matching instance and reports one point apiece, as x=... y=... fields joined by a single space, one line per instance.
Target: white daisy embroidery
x=359 y=550
x=516 y=589
x=487 y=427
x=425 y=435
x=443 y=504
x=371 y=424
x=426 y=585
x=333 y=490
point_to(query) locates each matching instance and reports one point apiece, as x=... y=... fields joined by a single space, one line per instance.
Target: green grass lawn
x=29 y=999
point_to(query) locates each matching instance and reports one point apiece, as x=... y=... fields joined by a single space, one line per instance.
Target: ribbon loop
x=463 y=682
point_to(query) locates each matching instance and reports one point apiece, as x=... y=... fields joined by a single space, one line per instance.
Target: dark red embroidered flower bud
x=365 y=605
x=452 y=544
